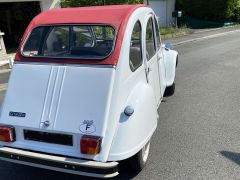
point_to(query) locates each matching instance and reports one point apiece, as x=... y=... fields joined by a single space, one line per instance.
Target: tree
x=80 y=3
x=210 y=9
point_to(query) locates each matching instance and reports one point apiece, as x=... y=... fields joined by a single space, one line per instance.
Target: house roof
x=115 y=15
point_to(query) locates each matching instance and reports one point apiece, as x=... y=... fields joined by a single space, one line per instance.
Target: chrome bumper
x=58 y=163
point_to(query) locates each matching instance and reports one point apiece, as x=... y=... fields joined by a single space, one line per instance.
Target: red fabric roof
x=115 y=15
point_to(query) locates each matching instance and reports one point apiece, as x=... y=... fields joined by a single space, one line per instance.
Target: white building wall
x=163 y=9
x=49 y=4
x=3 y=55
x=171 y=8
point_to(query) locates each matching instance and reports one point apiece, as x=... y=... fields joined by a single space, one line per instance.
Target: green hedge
x=79 y=3
x=210 y=9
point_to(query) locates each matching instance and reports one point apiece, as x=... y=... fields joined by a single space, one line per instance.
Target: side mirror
x=167 y=46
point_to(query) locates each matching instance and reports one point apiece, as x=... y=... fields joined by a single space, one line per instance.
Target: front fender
x=171 y=61
x=135 y=131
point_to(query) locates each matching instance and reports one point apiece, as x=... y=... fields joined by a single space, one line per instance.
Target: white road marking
x=205 y=37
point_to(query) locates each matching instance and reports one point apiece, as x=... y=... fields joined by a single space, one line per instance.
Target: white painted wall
x=163 y=9
x=49 y=4
x=2 y=48
x=160 y=8
x=171 y=8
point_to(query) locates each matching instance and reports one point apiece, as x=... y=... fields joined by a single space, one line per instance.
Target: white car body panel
x=170 y=57
x=162 y=70
x=48 y=94
x=131 y=95
x=152 y=65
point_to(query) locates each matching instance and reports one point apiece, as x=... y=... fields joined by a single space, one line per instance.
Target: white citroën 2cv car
x=84 y=90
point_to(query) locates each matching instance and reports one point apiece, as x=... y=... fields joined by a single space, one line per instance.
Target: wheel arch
x=171 y=63
x=135 y=131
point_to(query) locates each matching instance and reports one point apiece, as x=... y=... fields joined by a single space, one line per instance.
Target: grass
x=171 y=32
x=167 y=30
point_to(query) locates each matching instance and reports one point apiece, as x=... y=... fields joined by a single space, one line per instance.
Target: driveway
x=199 y=127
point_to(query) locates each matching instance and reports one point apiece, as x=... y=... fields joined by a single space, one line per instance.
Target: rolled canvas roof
x=115 y=15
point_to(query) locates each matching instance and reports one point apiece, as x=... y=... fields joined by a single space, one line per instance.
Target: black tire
x=139 y=160
x=169 y=90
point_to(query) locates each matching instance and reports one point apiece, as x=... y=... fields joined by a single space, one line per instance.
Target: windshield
x=70 y=41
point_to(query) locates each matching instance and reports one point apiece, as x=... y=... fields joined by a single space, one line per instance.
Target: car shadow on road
x=235 y=157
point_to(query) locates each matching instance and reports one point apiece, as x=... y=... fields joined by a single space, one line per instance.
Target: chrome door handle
x=149 y=70
x=159 y=58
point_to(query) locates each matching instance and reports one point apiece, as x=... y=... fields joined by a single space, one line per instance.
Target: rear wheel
x=139 y=160
x=169 y=90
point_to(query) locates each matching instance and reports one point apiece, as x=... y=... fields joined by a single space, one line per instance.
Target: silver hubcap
x=145 y=152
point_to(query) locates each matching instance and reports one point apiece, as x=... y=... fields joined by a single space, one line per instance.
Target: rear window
x=70 y=41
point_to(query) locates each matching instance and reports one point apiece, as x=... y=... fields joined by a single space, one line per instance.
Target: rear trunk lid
x=63 y=99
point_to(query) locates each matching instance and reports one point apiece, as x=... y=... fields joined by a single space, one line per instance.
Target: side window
x=135 y=53
x=150 y=46
x=157 y=34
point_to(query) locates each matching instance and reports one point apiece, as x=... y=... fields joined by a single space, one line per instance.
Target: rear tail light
x=7 y=134
x=90 y=145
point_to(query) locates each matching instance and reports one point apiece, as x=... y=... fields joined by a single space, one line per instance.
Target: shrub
x=210 y=9
x=79 y=3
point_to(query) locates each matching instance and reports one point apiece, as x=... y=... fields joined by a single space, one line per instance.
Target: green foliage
x=80 y=3
x=167 y=30
x=210 y=9
x=170 y=32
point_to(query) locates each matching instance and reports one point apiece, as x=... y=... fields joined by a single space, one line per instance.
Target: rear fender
x=171 y=61
x=135 y=131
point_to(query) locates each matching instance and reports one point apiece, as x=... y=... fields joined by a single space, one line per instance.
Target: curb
x=5 y=71
x=4 y=62
x=214 y=29
x=3 y=87
x=7 y=63
x=205 y=37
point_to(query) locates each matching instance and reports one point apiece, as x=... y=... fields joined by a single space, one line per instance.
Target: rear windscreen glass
x=70 y=41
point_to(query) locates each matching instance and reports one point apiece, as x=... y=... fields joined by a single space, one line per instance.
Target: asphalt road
x=199 y=127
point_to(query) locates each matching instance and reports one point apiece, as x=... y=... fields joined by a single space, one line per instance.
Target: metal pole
x=147 y=2
x=176 y=23
x=103 y=2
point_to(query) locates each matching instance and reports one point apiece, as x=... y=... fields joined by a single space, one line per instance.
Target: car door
x=152 y=71
x=160 y=58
